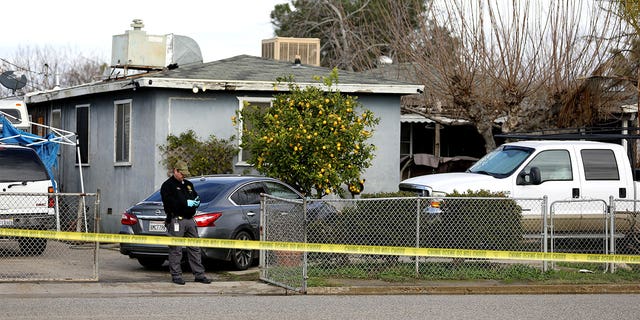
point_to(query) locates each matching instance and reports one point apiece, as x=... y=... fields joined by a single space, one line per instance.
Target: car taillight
x=51 y=201
x=128 y=219
x=436 y=203
x=207 y=219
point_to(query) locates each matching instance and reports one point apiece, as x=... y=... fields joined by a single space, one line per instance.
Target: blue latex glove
x=194 y=203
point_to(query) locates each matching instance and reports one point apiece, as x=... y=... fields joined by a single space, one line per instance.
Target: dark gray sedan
x=229 y=209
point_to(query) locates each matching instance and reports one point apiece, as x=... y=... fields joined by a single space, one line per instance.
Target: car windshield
x=501 y=162
x=207 y=190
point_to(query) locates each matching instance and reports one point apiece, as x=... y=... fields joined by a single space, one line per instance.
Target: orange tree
x=315 y=139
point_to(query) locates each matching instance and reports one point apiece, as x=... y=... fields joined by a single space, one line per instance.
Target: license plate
x=6 y=222
x=157 y=227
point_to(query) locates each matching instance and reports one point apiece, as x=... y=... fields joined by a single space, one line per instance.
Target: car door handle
x=251 y=213
x=575 y=193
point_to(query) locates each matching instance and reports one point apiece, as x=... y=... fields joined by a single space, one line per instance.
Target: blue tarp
x=44 y=146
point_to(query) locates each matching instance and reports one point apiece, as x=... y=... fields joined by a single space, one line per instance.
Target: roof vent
x=135 y=49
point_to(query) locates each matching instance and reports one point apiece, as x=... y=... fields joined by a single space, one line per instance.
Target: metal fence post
x=417 y=233
x=545 y=235
x=96 y=228
x=263 y=236
x=304 y=254
x=612 y=240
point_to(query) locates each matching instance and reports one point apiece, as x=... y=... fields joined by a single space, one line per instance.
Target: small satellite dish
x=10 y=81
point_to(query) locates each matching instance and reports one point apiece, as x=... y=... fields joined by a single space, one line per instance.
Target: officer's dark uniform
x=180 y=223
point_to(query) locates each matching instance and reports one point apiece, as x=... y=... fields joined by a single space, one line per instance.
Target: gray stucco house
x=121 y=122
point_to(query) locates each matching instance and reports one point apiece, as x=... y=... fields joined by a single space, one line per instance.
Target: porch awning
x=414 y=118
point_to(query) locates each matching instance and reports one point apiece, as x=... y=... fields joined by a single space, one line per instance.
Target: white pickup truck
x=561 y=170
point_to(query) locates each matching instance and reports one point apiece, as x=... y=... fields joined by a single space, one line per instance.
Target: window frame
x=56 y=118
x=127 y=137
x=83 y=138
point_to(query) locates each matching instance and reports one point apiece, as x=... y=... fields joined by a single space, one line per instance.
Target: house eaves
x=240 y=73
x=237 y=85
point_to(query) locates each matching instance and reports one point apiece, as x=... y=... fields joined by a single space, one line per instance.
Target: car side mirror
x=529 y=178
x=534 y=176
x=522 y=178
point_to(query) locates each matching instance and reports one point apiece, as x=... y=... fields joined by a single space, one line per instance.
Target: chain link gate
x=283 y=220
x=41 y=259
x=625 y=226
x=579 y=226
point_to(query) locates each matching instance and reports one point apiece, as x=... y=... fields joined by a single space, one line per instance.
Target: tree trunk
x=486 y=131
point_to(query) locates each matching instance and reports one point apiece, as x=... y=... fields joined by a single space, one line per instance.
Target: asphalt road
x=479 y=307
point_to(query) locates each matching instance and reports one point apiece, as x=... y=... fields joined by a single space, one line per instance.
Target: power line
x=25 y=69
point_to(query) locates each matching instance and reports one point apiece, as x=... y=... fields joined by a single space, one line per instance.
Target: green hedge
x=466 y=221
x=469 y=222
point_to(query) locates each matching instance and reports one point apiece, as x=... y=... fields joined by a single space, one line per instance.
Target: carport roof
x=239 y=73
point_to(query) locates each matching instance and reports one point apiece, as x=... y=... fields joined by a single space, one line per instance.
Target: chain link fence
x=477 y=223
x=41 y=259
x=626 y=226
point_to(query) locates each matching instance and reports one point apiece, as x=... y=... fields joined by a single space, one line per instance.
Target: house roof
x=239 y=73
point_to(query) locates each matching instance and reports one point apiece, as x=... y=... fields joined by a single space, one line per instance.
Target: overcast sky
x=222 y=29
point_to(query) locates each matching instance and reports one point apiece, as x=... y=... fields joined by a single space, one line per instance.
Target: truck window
x=600 y=164
x=13 y=115
x=554 y=165
x=501 y=162
x=21 y=165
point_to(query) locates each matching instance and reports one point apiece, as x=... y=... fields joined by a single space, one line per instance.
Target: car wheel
x=242 y=259
x=152 y=262
x=32 y=246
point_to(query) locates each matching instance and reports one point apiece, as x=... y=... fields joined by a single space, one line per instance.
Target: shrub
x=203 y=157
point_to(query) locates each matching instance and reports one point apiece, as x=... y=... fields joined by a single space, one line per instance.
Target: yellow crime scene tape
x=321 y=247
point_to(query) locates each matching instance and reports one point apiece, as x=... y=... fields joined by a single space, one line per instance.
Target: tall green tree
x=313 y=139
x=352 y=35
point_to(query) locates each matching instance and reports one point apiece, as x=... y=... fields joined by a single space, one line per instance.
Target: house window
x=122 y=131
x=405 y=139
x=82 y=131
x=56 y=119
x=258 y=103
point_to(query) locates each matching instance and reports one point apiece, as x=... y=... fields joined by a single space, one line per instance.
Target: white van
x=15 y=111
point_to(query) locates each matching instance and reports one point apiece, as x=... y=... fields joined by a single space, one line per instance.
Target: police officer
x=180 y=202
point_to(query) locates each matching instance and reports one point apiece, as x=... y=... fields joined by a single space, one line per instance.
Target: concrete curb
x=494 y=289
